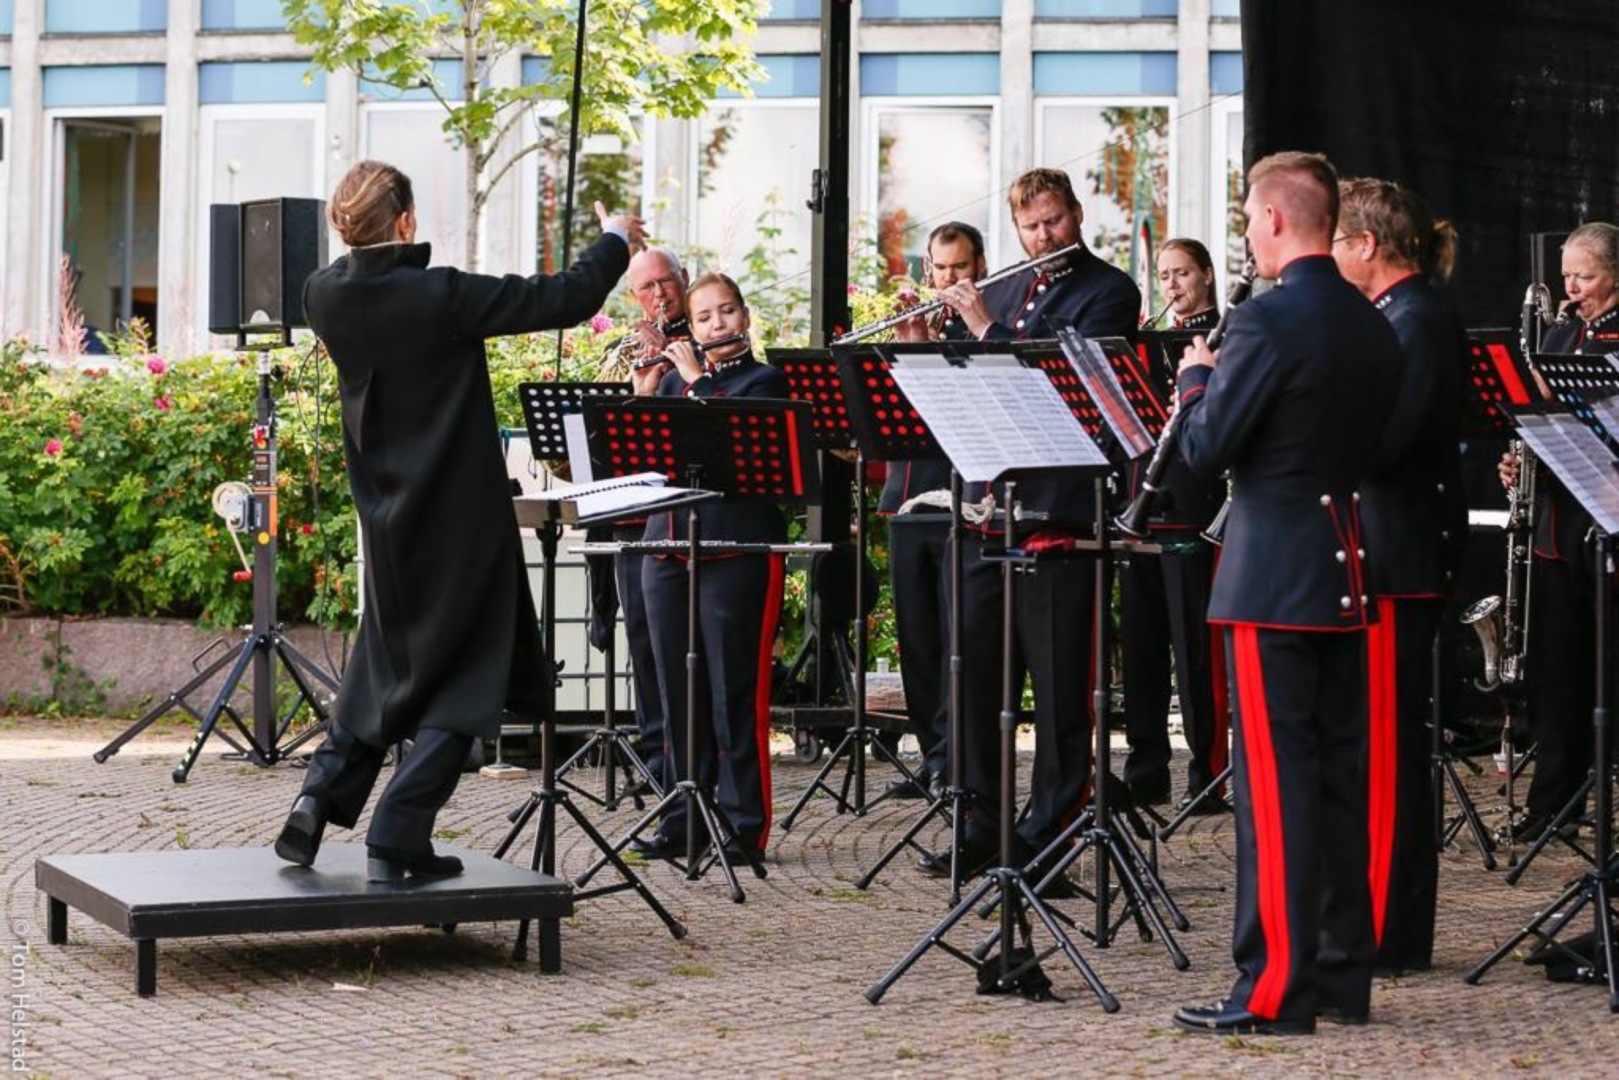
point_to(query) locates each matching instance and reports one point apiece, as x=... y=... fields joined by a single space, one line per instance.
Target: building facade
x=122 y=120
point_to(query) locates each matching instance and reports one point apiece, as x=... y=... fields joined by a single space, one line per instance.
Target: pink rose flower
x=161 y=403
x=156 y=365
x=53 y=447
x=600 y=324
x=853 y=289
x=307 y=530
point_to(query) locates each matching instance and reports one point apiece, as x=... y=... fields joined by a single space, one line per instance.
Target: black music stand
x=1580 y=383
x=1585 y=464
x=545 y=405
x=999 y=421
x=891 y=429
x=736 y=448
x=812 y=377
x=546 y=514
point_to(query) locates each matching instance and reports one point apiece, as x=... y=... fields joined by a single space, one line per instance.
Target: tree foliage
x=660 y=57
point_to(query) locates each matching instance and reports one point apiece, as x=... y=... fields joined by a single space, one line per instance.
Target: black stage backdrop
x=1504 y=115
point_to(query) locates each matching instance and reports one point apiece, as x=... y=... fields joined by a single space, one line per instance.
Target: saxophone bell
x=1484 y=616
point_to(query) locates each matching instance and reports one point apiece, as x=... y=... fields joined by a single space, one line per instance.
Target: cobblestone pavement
x=773 y=987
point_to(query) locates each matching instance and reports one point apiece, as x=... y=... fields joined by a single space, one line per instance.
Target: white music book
x=602 y=498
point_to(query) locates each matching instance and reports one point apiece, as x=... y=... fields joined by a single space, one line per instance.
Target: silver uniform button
x=1441 y=488
x=1029 y=306
x=1019 y=324
x=1444 y=534
x=1341 y=557
x=1360 y=553
x=1355 y=496
x=1363 y=598
x=1345 y=603
x=1326 y=500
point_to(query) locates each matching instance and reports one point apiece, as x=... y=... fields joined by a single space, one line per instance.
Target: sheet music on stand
x=1095 y=360
x=996 y=417
x=1577 y=379
x=1579 y=459
x=603 y=500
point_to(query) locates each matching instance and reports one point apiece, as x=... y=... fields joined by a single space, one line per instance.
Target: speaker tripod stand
x=265 y=646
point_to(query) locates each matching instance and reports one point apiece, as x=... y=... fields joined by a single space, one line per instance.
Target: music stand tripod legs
x=1005 y=885
x=546 y=798
x=1595 y=887
x=615 y=750
x=1443 y=764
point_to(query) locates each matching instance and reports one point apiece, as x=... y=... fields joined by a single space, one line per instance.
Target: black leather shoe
x=1530 y=827
x=904 y=788
x=1148 y=792
x=386 y=864
x=1208 y=806
x=1337 y=1014
x=934 y=865
x=659 y=846
x=1226 y=1017
x=300 y=836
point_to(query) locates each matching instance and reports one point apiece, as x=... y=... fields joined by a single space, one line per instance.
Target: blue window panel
x=103 y=84
x=931 y=9
x=5 y=88
x=1226 y=9
x=1106 y=9
x=242 y=15
x=447 y=72
x=5 y=17
x=105 y=16
x=1100 y=73
x=1225 y=72
x=253 y=82
x=793 y=11
x=536 y=69
x=893 y=74
x=791 y=76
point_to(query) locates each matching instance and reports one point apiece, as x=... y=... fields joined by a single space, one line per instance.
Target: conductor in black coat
x=449 y=638
x=1296 y=409
x=1415 y=515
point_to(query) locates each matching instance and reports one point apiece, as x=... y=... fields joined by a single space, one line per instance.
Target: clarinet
x=1133 y=522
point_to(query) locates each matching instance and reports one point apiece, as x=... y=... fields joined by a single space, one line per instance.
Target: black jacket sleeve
x=1223 y=406
x=483 y=306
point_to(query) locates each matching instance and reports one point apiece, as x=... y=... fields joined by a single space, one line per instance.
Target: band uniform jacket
x=449 y=636
x=741 y=520
x=1413 y=509
x=1561 y=523
x=1296 y=409
x=1095 y=299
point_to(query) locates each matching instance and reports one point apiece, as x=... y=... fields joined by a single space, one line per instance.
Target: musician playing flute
x=740 y=604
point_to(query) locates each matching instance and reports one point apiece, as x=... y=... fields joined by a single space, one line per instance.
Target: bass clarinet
x=1133 y=522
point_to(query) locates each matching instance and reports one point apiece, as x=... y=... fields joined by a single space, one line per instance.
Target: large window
x=932 y=163
x=1118 y=155
x=242 y=15
x=931 y=9
x=1106 y=9
x=1225 y=123
x=610 y=168
x=106 y=16
x=411 y=137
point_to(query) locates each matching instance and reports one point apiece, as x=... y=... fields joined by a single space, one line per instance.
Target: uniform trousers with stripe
x=1303 y=934
x=1562 y=670
x=919 y=573
x=738 y=608
x=643 y=666
x=1164 y=607
x=1404 y=868
x=1054 y=619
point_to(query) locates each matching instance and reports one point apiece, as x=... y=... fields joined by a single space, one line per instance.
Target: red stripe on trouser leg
x=761 y=692
x=1382 y=762
x=1253 y=713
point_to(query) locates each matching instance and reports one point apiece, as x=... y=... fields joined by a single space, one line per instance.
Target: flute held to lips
x=663 y=358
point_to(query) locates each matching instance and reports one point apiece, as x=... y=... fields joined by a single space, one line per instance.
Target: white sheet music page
x=991 y=420
x=1580 y=461
x=573 y=430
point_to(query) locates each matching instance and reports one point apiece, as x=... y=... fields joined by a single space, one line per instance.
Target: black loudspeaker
x=224 y=268
x=1546 y=262
x=283 y=242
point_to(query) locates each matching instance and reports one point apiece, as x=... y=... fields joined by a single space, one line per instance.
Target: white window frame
x=5 y=212
x=51 y=250
x=528 y=219
x=207 y=118
x=871 y=111
x=1220 y=113
x=691 y=208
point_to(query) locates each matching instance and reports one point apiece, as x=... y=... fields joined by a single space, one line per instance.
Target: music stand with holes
x=889 y=428
x=813 y=378
x=998 y=421
x=1585 y=464
x=1580 y=383
x=754 y=448
x=545 y=405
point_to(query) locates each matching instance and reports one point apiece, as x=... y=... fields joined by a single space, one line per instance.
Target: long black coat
x=449 y=637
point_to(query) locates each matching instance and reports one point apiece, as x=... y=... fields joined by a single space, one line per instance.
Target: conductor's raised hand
x=634 y=228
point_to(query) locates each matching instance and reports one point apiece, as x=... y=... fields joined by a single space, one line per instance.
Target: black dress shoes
x=1226 y=1017
x=300 y=836
x=1154 y=792
x=1209 y=805
x=904 y=788
x=386 y=864
x=1530 y=827
x=659 y=846
x=1337 y=1014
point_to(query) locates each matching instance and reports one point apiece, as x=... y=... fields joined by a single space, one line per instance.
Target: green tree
x=666 y=58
